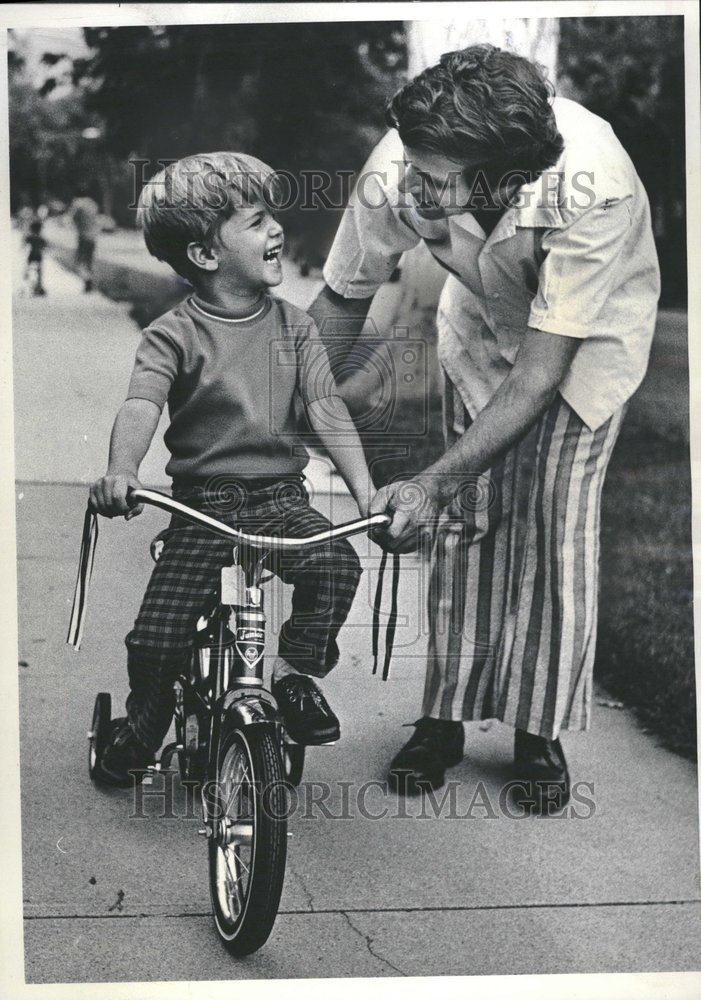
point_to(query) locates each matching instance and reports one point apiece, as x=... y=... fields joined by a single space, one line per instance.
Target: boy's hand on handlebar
x=108 y=496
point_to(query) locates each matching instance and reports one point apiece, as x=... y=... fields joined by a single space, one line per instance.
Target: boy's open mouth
x=273 y=253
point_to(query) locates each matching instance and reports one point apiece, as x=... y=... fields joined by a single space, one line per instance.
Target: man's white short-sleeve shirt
x=574 y=256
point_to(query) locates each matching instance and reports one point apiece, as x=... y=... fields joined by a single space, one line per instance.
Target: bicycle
x=230 y=739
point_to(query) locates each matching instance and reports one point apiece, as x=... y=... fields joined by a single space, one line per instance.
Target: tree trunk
x=408 y=309
x=534 y=37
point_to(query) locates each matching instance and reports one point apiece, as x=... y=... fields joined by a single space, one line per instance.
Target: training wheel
x=99 y=731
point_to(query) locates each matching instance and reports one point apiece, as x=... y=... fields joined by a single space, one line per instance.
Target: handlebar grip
x=132 y=500
x=381 y=520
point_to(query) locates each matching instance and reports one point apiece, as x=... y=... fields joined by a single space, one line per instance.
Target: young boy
x=233 y=363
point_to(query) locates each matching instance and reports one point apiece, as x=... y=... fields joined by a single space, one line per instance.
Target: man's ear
x=202 y=257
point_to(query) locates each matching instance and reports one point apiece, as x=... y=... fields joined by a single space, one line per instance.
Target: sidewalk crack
x=309 y=897
x=369 y=943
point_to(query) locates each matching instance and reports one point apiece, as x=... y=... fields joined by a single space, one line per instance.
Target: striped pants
x=512 y=604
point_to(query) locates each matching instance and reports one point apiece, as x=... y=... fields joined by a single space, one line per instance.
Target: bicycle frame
x=228 y=662
x=230 y=647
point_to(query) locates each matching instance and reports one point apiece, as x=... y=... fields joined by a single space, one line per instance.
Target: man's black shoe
x=123 y=754
x=541 y=769
x=307 y=715
x=421 y=763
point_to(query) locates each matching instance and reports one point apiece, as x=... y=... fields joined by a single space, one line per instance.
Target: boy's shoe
x=123 y=754
x=421 y=763
x=307 y=715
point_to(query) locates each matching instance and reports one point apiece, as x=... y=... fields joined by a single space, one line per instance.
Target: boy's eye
x=258 y=220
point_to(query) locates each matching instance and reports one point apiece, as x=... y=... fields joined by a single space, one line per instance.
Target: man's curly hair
x=480 y=104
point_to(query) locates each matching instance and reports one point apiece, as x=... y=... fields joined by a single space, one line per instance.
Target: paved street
x=111 y=897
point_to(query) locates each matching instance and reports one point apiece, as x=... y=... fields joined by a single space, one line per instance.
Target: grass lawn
x=645 y=650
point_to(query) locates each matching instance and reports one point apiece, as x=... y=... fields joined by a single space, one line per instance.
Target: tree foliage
x=630 y=70
x=310 y=97
x=299 y=96
x=45 y=140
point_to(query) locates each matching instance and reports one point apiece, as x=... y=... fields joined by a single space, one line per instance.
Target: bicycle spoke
x=239 y=861
x=233 y=889
x=237 y=807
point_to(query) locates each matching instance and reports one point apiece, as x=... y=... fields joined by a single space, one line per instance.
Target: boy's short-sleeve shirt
x=234 y=388
x=575 y=257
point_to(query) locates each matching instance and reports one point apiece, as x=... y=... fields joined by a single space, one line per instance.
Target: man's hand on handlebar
x=108 y=496
x=414 y=514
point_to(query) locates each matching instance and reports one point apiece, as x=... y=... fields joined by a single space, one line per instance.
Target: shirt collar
x=538 y=204
x=212 y=311
x=536 y=207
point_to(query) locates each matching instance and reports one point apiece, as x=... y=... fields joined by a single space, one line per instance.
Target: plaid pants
x=184 y=583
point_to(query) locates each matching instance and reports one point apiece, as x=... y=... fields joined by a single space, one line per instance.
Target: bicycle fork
x=230 y=653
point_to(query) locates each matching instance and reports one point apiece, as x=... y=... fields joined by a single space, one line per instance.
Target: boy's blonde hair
x=187 y=200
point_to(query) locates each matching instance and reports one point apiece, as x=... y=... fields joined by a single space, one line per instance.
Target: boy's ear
x=199 y=255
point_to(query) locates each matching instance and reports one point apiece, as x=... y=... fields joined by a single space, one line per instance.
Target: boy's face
x=248 y=247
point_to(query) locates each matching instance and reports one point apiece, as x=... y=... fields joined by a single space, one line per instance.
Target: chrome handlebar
x=270 y=542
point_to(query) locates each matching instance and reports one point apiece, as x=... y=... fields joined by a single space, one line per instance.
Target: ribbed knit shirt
x=234 y=388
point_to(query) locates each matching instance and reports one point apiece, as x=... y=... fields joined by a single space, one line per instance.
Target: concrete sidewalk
x=375 y=886
x=473 y=891
x=92 y=340
x=125 y=270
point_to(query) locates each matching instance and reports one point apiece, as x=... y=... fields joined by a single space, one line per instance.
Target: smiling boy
x=234 y=364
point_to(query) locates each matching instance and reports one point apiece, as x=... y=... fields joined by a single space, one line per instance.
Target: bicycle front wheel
x=248 y=844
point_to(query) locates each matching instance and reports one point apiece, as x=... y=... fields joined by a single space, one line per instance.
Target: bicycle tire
x=245 y=930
